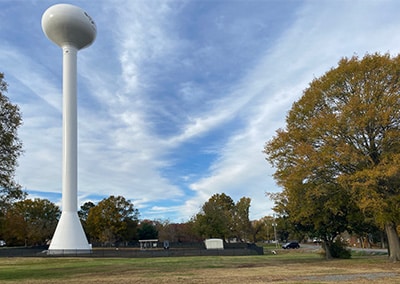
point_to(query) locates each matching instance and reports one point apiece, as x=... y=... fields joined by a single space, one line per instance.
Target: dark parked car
x=291 y=245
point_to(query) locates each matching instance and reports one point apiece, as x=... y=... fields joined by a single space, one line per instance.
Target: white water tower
x=72 y=29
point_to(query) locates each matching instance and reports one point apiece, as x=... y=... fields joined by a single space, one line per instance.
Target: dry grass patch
x=287 y=268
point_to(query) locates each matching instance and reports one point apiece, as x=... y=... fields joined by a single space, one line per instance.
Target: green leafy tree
x=340 y=149
x=83 y=214
x=220 y=217
x=130 y=232
x=147 y=230
x=216 y=218
x=241 y=221
x=111 y=220
x=31 y=222
x=10 y=150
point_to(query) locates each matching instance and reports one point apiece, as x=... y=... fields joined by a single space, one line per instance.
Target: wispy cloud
x=177 y=98
x=319 y=37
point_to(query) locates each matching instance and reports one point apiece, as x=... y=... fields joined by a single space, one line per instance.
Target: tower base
x=69 y=237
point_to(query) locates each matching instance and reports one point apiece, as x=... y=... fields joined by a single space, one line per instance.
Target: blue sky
x=176 y=99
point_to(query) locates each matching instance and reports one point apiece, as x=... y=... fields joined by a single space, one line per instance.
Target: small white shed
x=214 y=244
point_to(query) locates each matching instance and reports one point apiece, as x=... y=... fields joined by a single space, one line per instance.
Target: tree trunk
x=327 y=249
x=393 y=242
x=382 y=240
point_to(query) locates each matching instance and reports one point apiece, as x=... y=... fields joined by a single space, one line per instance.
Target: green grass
x=62 y=268
x=56 y=268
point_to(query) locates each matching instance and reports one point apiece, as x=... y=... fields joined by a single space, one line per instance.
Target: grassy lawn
x=286 y=267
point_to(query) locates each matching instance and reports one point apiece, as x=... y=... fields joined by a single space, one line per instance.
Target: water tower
x=72 y=29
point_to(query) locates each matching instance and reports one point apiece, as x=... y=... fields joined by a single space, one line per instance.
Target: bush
x=338 y=249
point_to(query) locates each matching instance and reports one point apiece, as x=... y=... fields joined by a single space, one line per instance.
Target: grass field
x=289 y=267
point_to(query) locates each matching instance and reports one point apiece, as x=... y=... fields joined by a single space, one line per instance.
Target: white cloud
x=321 y=35
x=163 y=76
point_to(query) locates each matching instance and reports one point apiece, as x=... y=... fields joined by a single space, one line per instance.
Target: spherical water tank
x=65 y=24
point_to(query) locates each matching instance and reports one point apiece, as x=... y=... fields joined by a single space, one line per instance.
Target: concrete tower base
x=69 y=237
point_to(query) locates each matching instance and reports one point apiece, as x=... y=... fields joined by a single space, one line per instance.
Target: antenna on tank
x=72 y=29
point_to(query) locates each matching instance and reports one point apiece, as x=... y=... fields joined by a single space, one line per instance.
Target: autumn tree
x=263 y=229
x=177 y=232
x=10 y=150
x=339 y=155
x=112 y=219
x=31 y=222
x=188 y=232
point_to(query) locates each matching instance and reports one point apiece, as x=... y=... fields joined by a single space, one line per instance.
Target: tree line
x=114 y=221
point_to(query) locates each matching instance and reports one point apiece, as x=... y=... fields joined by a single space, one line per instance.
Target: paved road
x=371 y=250
x=367 y=250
